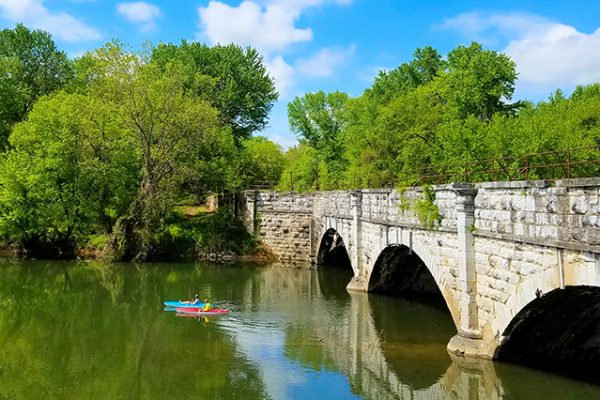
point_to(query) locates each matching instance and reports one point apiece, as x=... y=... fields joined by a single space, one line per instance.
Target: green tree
x=112 y=156
x=478 y=82
x=261 y=163
x=171 y=126
x=301 y=171
x=426 y=65
x=65 y=174
x=30 y=66
x=319 y=119
x=241 y=88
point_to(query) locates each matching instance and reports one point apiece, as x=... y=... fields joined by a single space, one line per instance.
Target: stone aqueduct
x=498 y=250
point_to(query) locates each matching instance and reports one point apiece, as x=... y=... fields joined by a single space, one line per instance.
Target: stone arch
x=333 y=251
x=559 y=328
x=399 y=271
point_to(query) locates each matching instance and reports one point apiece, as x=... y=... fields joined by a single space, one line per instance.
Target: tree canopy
x=241 y=88
x=422 y=121
x=30 y=67
x=114 y=148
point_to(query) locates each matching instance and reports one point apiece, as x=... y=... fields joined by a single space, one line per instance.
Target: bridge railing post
x=250 y=215
x=469 y=339
x=359 y=281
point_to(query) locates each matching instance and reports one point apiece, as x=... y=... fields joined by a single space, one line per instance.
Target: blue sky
x=329 y=45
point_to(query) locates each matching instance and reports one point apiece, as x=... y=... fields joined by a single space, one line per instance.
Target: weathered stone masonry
x=498 y=243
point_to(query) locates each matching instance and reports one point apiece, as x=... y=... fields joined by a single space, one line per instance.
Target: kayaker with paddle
x=195 y=300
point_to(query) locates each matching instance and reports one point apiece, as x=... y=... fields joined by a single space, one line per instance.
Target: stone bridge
x=517 y=263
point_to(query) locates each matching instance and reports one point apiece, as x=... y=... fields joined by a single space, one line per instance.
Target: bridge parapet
x=562 y=214
x=496 y=246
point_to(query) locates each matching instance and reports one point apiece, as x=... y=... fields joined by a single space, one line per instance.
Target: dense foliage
x=119 y=138
x=30 y=66
x=436 y=119
x=100 y=150
x=239 y=86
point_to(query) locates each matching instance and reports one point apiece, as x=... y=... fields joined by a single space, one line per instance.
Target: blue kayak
x=178 y=304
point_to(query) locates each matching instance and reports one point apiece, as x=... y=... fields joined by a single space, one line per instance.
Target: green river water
x=92 y=330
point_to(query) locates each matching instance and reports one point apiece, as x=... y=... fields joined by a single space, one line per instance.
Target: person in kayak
x=195 y=300
x=207 y=305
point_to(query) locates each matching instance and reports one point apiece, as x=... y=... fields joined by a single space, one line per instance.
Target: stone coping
x=445 y=229
x=559 y=244
x=541 y=183
x=395 y=224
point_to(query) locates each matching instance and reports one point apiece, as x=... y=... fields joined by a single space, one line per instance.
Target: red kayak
x=200 y=311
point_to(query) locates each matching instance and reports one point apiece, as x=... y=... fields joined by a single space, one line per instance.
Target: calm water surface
x=98 y=331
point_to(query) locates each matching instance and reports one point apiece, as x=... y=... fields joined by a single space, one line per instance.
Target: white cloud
x=33 y=14
x=270 y=27
x=282 y=73
x=548 y=54
x=325 y=61
x=269 y=30
x=140 y=13
x=476 y=23
x=560 y=56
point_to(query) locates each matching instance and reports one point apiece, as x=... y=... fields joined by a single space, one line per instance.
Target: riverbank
x=190 y=233
x=260 y=256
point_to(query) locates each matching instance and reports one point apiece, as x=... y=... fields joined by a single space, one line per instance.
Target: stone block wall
x=562 y=213
x=508 y=275
x=337 y=202
x=286 y=235
x=282 y=221
x=289 y=202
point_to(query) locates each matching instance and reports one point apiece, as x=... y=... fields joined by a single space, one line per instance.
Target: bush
x=186 y=238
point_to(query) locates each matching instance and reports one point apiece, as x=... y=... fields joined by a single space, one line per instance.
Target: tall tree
x=69 y=170
x=319 y=119
x=30 y=66
x=115 y=153
x=425 y=66
x=241 y=89
x=479 y=82
x=170 y=125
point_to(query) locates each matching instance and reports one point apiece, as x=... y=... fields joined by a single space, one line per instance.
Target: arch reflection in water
x=383 y=345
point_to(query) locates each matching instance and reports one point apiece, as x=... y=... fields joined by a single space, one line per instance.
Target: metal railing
x=550 y=165
x=577 y=162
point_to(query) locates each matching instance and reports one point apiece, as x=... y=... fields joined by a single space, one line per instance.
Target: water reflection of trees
x=94 y=330
x=104 y=337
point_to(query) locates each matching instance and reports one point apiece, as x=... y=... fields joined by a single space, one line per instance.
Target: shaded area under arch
x=332 y=251
x=559 y=331
x=400 y=272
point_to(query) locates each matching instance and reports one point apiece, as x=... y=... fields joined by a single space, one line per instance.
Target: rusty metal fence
x=577 y=162
x=550 y=165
